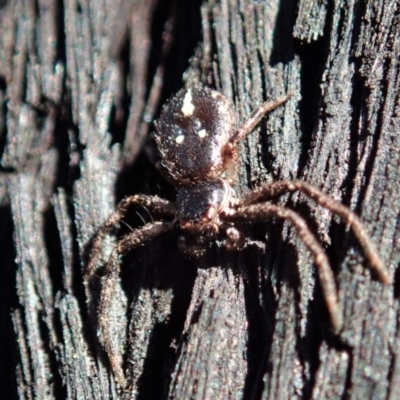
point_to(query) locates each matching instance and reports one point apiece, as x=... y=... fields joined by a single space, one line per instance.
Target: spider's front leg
x=262 y=211
x=277 y=189
x=130 y=241
x=154 y=204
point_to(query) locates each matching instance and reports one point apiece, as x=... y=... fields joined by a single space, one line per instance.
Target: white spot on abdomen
x=187 y=105
x=202 y=133
x=179 y=139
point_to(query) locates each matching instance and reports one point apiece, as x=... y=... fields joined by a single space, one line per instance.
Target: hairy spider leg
x=128 y=242
x=265 y=210
x=155 y=205
x=256 y=116
x=276 y=189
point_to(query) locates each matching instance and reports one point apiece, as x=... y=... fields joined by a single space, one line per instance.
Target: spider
x=197 y=139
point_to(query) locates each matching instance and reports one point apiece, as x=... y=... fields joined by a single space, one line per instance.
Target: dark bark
x=80 y=84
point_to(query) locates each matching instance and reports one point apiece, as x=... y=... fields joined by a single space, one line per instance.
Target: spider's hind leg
x=256 y=116
x=130 y=241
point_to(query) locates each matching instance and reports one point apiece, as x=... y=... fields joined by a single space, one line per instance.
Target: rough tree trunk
x=80 y=84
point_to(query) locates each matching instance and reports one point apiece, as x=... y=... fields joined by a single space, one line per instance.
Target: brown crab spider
x=197 y=139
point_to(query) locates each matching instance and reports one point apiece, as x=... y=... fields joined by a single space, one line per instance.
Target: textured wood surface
x=81 y=83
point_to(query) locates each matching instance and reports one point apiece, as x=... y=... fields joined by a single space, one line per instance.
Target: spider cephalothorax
x=197 y=137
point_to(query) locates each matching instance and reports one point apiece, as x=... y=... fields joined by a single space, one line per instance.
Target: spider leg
x=153 y=203
x=280 y=188
x=256 y=116
x=326 y=277
x=132 y=240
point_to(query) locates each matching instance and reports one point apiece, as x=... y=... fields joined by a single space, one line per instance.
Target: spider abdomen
x=192 y=135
